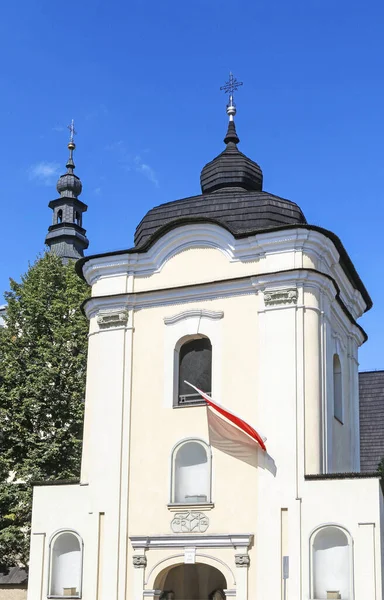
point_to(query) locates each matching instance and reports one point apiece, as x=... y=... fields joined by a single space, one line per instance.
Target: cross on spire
x=72 y=130
x=229 y=88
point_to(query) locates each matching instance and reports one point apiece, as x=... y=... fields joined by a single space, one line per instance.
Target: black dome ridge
x=231 y=168
x=237 y=210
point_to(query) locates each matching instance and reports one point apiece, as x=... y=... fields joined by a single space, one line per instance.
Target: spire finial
x=229 y=88
x=72 y=130
x=71 y=146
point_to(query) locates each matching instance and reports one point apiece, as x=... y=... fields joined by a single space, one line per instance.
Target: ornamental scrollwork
x=112 y=318
x=242 y=560
x=275 y=297
x=139 y=561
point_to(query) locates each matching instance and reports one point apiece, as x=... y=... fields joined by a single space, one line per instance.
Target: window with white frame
x=331 y=564
x=66 y=557
x=337 y=389
x=195 y=366
x=191 y=473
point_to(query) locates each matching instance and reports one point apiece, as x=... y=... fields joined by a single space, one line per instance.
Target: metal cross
x=231 y=85
x=72 y=130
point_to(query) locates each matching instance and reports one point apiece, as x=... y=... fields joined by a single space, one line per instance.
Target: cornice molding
x=213 y=315
x=277 y=282
x=145 y=542
x=250 y=249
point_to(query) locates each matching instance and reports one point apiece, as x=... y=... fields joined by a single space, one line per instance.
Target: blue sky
x=142 y=78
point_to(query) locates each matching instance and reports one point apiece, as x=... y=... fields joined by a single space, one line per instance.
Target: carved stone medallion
x=189 y=521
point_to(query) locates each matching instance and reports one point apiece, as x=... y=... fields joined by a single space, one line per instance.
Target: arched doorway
x=194 y=582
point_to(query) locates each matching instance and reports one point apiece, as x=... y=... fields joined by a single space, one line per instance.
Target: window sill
x=190 y=506
x=190 y=404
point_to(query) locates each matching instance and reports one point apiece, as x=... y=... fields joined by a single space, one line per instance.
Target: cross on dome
x=72 y=130
x=231 y=86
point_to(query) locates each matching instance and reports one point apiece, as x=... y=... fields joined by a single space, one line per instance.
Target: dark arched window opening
x=60 y=216
x=337 y=389
x=195 y=366
x=77 y=218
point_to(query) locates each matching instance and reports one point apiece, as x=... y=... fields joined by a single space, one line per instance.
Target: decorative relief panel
x=275 y=297
x=112 y=318
x=242 y=560
x=189 y=521
x=139 y=561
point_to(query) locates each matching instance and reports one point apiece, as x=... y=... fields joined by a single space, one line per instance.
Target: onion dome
x=231 y=168
x=69 y=185
x=232 y=195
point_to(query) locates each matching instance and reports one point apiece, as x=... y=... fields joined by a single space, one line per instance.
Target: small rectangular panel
x=189 y=556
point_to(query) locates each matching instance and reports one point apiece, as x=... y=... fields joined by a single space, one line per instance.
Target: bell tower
x=66 y=236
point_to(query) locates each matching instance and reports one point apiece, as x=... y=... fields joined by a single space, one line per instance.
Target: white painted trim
x=200 y=313
x=223 y=289
x=311 y=243
x=198 y=555
x=147 y=542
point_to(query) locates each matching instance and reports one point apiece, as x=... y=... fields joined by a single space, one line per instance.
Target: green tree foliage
x=43 y=350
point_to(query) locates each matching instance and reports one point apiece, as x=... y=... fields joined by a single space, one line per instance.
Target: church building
x=235 y=292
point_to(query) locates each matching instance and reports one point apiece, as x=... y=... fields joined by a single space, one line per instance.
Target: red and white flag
x=229 y=433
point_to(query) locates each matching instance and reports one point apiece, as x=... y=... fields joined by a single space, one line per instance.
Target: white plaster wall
x=343 y=438
x=56 y=508
x=354 y=505
x=269 y=365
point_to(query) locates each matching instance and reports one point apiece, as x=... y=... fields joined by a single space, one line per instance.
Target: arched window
x=331 y=564
x=191 y=473
x=195 y=366
x=60 y=216
x=66 y=550
x=77 y=218
x=337 y=389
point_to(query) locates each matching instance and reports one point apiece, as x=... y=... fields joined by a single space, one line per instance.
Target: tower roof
x=69 y=184
x=232 y=194
x=231 y=168
x=66 y=236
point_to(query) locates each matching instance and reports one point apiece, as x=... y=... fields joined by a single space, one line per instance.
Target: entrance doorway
x=194 y=582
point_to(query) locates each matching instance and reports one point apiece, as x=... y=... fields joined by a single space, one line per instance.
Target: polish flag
x=229 y=433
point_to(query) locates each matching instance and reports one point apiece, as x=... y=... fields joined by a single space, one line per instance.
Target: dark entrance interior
x=194 y=582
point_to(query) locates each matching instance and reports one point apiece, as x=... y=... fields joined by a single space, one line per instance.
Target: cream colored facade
x=276 y=307
x=13 y=593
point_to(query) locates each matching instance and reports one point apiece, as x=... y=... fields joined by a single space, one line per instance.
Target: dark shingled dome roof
x=232 y=197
